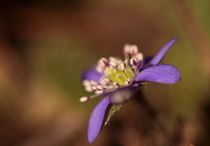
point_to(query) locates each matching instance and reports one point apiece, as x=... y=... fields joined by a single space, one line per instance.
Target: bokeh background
x=46 y=44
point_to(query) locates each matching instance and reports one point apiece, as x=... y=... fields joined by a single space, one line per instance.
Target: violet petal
x=91 y=74
x=97 y=118
x=159 y=56
x=161 y=73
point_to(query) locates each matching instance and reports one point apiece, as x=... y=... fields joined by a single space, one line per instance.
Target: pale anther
x=83 y=99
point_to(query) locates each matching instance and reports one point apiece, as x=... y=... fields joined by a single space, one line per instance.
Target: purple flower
x=117 y=80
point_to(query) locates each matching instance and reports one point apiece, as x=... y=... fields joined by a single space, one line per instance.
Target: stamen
x=94 y=88
x=127 y=82
x=93 y=83
x=86 y=98
x=99 y=91
x=102 y=64
x=134 y=61
x=105 y=61
x=88 y=88
x=139 y=56
x=109 y=70
x=109 y=87
x=86 y=83
x=130 y=50
x=126 y=49
x=83 y=99
x=116 y=84
x=99 y=68
x=112 y=63
x=104 y=81
x=133 y=50
x=99 y=87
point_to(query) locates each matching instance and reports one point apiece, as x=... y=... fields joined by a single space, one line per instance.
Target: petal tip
x=176 y=38
x=160 y=55
x=91 y=139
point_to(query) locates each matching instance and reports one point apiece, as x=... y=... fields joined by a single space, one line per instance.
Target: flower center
x=116 y=72
x=120 y=75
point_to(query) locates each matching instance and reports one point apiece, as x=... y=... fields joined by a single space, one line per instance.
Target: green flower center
x=119 y=76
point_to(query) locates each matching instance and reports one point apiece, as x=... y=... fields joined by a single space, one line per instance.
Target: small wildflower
x=118 y=80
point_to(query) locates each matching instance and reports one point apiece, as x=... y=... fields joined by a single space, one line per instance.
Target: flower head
x=117 y=80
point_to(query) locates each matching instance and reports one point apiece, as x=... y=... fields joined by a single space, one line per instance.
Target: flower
x=117 y=80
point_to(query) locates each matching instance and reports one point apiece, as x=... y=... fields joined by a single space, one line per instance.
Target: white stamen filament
x=86 y=98
x=99 y=91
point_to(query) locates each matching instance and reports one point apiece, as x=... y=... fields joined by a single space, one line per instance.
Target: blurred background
x=46 y=44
